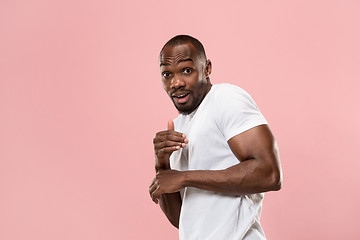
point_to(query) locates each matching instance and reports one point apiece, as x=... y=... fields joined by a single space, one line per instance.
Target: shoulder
x=236 y=111
x=228 y=92
x=227 y=88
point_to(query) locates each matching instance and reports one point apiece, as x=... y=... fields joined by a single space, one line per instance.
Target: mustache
x=182 y=89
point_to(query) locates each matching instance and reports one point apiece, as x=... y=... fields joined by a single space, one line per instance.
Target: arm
x=165 y=142
x=258 y=171
x=170 y=204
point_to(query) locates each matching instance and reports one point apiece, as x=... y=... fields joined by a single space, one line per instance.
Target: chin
x=185 y=111
x=186 y=108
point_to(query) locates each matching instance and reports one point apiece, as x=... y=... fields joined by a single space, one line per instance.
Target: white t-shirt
x=226 y=111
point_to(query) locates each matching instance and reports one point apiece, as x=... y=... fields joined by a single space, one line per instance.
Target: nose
x=177 y=82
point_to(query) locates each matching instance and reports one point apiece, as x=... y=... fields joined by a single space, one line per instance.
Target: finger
x=160 y=145
x=152 y=188
x=156 y=194
x=165 y=132
x=169 y=137
x=167 y=150
x=170 y=132
x=152 y=182
x=170 y=125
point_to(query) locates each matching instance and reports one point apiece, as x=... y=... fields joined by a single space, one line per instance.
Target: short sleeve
x=236 y=111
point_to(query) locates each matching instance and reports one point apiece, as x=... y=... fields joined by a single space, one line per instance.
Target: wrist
x=159 y=168
x=185 y=178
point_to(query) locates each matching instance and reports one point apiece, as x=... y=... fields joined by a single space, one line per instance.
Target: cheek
x=193 y=80
x=166 y=85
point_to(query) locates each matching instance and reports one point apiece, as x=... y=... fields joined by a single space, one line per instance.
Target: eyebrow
x=164 y=64
x=184 y=60
x=180 y=61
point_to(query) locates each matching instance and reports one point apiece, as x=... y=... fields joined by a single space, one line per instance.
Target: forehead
x=175 y=53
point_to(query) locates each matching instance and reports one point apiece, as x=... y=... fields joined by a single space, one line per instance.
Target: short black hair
x=181 y=39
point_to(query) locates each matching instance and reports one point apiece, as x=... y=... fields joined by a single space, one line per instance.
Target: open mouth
x=181 y=98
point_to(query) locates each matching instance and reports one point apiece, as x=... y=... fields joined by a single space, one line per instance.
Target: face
x=184 y=75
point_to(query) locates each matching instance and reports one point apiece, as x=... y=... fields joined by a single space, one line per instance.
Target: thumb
x=170 y=125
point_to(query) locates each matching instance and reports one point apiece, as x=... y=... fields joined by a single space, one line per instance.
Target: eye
x=187 y=70
x=166 y=74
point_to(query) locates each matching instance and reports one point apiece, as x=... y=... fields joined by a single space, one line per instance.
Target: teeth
x=182 y=95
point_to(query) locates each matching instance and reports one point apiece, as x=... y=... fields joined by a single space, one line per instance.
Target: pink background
x=81 y=99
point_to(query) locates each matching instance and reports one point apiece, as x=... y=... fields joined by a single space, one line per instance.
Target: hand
x=166 y=142
x=166 y=181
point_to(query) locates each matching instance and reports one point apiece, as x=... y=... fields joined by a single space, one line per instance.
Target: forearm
x=170 y=204
x=247 y=177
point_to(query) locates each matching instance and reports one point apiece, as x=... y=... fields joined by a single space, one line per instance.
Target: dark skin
x=185 y=77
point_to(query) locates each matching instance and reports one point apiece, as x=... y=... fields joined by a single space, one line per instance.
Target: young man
x=213 y=165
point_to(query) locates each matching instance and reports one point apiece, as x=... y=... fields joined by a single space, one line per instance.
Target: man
x=213 y=165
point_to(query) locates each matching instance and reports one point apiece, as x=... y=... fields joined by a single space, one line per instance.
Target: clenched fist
x=166 y=142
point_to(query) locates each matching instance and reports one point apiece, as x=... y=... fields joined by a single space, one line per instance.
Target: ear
x=208 y=68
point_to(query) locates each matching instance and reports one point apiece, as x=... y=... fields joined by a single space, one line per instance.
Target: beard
x=194 y=101
x=186 y=110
